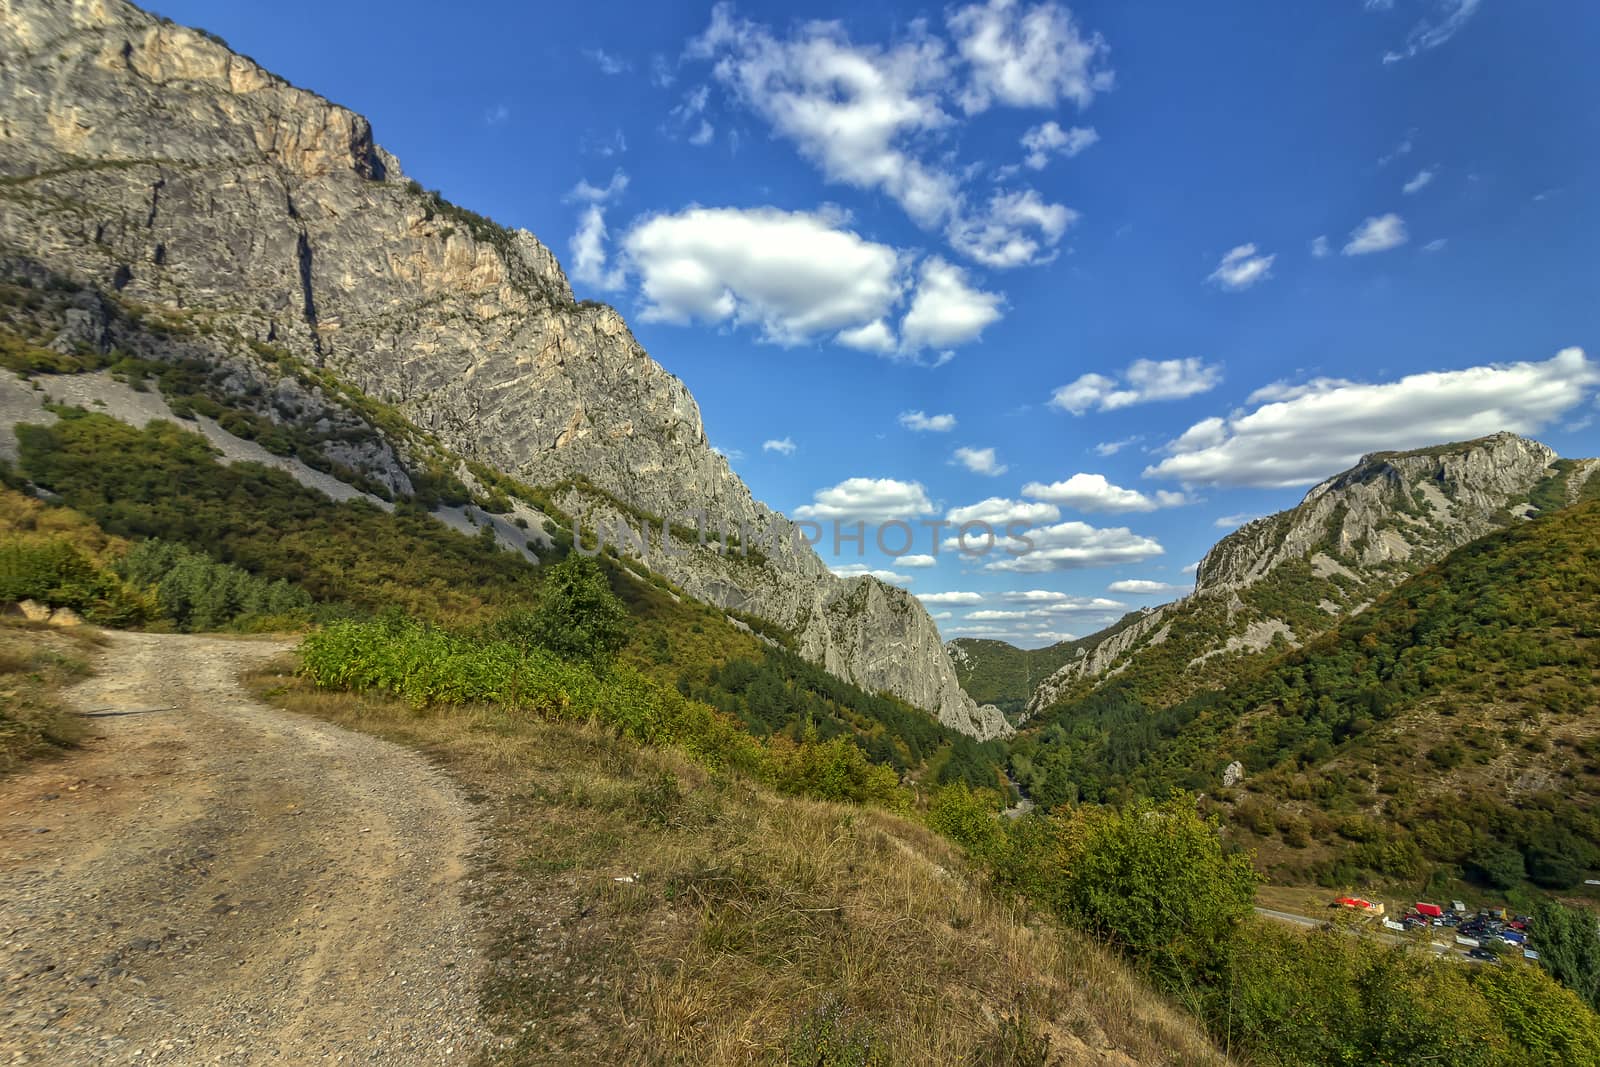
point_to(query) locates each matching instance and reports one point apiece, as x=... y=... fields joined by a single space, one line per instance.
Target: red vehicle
x=1432 y=911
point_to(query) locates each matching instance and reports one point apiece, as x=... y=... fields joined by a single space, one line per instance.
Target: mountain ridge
x=1283 y=579
x=153 y=162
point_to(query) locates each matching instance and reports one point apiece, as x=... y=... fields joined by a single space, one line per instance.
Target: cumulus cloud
x=916 y=560
x=1420 y=182
x=1027 y=56
x=784 y=446
x=1241 y=268
x=1320 y=247
x=1301 y=434
x=867 y=500
x=877 y=118
x=979 y=461
x=1378 y=233
x=1143 y=381
x=856 y=570
x=1430 y=33
x=945 y=310
x=950 y=598
x=999 y=512
x=850 y=109
x=1049 y=139
x=1145 y=587
x=1092 y=492
x=1073 y=546
x=916 y=420
x=1015 y=230
x=794 y=275
x=874 y=336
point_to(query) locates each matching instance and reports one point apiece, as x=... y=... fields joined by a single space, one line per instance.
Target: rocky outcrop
x=254 y=218
x=1283 y=579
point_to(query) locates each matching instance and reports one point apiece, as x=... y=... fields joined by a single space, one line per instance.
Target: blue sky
x=1087 y=236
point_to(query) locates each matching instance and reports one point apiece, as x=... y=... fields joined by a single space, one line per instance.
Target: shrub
x=198 y=593
x=576 y=617
x=53 y=572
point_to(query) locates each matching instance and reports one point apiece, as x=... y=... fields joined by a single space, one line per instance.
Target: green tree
x=1569 y=948
x=1151 y=878
x=577 y=615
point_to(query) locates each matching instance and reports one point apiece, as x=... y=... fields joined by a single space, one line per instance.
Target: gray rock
x=158 y=165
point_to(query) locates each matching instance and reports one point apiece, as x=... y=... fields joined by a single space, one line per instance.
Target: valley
x=331 y=730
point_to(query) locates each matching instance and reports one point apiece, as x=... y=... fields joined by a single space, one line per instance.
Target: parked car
x=1483 y=955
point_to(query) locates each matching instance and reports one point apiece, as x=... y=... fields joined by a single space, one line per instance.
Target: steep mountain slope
x=1000 y=673
x=250 y=227
x=1450 y=723
x=1280 y=581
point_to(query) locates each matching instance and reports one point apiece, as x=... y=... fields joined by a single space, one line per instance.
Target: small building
x=1458 y=907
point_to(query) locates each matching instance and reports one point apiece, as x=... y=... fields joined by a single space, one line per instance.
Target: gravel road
x=215 y=881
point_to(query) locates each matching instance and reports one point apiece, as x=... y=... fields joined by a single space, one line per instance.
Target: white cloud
x=1378 y=233
x=916 y=420
x=794 y=275
x=591 y=262
x=1027 y=56
x=784 y=446
x=727 y=453
x=979 y=461
x=1320 y=247
x=856 y=570
x=1302 y=434
x=1436 y=245
x=916 y=561
x=874 y=336
x=1015 y=230
x=946 y=310
x=1231 y=522
x=1092 y=492
x=999 y=512
x=950 y=598
x=496 y=115
x=1049 y=139
x=1145 y=587
x=850 y=109
x=1431 y=33
x=879 y=118
x=1143 y=381
x=1378 y=5
x=867 y=500
x=608 y=63
x=1420 y=182
x=1241 y=268
x=1071 y=546
x=1111 y=448
x=1191 y=568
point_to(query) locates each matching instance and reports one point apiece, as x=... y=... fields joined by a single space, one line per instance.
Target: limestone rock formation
x=258 y=223
x=1281 y=580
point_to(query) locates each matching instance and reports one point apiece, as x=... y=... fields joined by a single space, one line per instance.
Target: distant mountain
x=1000 y=673
x=1451 y=726
x=255 y=238
x=1280 y=581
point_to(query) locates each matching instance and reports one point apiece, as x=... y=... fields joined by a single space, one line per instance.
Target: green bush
x=577 y=616
x=198 y=593
x=53 y=572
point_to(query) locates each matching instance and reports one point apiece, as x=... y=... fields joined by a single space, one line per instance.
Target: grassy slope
x=1453 y=714
x=755 y=927
x=35 y=663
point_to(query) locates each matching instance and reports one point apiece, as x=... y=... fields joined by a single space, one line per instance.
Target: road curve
x=215 y=881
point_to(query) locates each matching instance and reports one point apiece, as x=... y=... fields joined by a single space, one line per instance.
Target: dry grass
x=35 y=662
x=645 y=911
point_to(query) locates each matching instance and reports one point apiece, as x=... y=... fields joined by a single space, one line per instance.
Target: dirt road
x=212 y=880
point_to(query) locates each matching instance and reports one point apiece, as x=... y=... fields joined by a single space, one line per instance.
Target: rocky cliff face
x=1283 y=579
x=186 y=182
